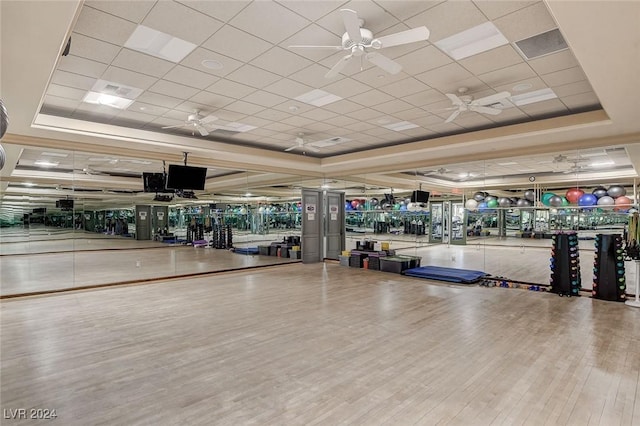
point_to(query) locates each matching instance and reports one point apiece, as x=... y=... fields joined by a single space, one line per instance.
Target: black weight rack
x=565 y=264
x=608 y=268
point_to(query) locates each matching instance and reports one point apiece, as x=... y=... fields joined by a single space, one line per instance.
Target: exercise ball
x=492 y=204
x=555 y=201
x=407 y=200
x=3 y=156
x=347 y=205
x=396 y=206
x=386 y=206
x=411 y=207
x=622 y=203
x=546 y=197
x=574 y=194
x=600 y=191
x=616 y=191
x=420 y=207
x=504 y=202
x=471 y=204
x=530 y=195
x=513 y=200
x=404 y=208
x=374 y=202
x=4 y=120
x=565 y=202
x=606 y=202
x=523 y=203
x=490 y=197
x=478 y=196
x=587 y=200
x=355 y=204
x=260 y=210
x=482 y=206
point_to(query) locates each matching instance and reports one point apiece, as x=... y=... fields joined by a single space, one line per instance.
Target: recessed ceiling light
x=318 y=98
x=45 y=163
x=400 y=126
x=159 y=44
x=472 y=41
x=380 y=75
x=28 y=184
x=107 y=100
x=522 y=87
x=603 y=164
x=293 y=108
x=248 y=194
x=143 y=108
x=532 y=97
x=212 y=64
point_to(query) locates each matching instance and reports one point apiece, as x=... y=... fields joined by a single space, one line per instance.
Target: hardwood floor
x=320 y=345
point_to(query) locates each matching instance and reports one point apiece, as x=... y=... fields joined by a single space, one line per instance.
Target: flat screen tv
x=186 y=177
x=40 y=210
x=64 y=204
x=419 y=197
x=153 y=182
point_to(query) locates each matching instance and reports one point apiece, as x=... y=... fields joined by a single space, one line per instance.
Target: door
x=312 y=226
x=335 y=224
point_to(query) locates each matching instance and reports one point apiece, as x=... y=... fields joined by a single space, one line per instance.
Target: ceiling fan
x=577 y=165
x=202 y=124
x=440 y=171
x=357 y=40
x=302 y=144
x=467 y=103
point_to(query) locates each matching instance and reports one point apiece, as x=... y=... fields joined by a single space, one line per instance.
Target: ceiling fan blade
x=454 y=99
x=338 y=67
x=389 y=65
x=311 y=148
x=351 y=24
x=173 y=127
x=404 y=37
x=316 y=47
x=291 y=148
x=453 y=116
x=202 y=130
x=485 y=110
x=208 y=119
x=491 y=99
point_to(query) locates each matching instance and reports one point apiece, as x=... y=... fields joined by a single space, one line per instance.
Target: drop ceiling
x=257 y=82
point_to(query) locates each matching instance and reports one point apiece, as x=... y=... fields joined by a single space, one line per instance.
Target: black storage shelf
x=565 y=264
x=609 y=281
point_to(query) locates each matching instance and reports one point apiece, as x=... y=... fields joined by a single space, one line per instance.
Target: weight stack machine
x=565 y=264
x=608 y=269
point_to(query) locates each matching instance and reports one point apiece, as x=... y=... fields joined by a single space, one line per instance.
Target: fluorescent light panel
x=108 y=100
x=509 y=163
x=44 y=163
x=472 y=41
x=240 y=127
x=159 y=44
x=318 y=98
x=54 y=154
x=400 y=126
x=533 y=97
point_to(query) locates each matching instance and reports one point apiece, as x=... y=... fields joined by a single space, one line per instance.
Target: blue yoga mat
x=464 y=276
x=246 y=250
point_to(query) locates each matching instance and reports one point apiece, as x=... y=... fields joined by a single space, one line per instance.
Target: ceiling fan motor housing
x=367 y=38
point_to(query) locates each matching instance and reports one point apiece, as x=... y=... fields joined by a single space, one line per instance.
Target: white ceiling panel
x=253 y=76
x=423 y=59
x=376 y=19
x=343 y=106
x=180 y=21
x=134 y=116
x=312 y=10
x=77 y=81
x=313 y=75
x=272 y=115
x=312 y=35
x=554 y=62
x=264 y=99
x=133 y=11
x=346 y=88
x=559 y=78
x=494 y=59
x=288 y=88
x=244 y=107
x=297 y=121
x=175 y=90
x=281 y=61
x=195 y=58
x=190 y=77
x=222 y=10
x=506 y=75
x=425 y=97
x=573 y=89
x=142 y=63
x=319 y=114
x=544 y=107
x=526 y=22
x=66 y=104
x=405 y=87
x=160 y=100
x=496 y=8
x=230 y=89
x=371 y=98
x=438 y=19
x=236 y=44
x=128 y=78
x=257 y=19
x=66 y=92
x=581 y=100
x=405 y=9
x=94 y=49
x=446 y=74
x=103 y=26
x=148 y=109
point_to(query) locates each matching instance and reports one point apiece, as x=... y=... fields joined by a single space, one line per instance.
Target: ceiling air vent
x=542 y=44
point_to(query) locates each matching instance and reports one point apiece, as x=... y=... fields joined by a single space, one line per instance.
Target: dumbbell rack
x=565 y=265
x=608 y=269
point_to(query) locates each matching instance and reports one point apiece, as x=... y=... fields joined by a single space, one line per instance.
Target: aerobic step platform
x=246 y=250
x=455 y=275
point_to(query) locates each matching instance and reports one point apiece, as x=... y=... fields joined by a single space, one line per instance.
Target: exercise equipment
x=246 y=250
x=440 y=273
x=608 y=268
x=565 y=264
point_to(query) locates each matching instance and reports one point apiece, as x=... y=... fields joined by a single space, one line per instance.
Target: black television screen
x=64 y=204
x=40 y=210
x=153 y=182
x=186 y=177
x=419 y=197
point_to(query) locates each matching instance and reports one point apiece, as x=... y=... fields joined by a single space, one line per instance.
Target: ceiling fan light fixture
x=212 y=64
x=478 y=39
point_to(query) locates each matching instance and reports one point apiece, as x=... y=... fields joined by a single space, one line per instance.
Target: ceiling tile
x=258 y=19
x=164 y=121
x=525 y=22
x=259 y=132
x=175 y=90
x=474 y=84
x=90 y=48
x=319 y=127
x=133 y=11
x=253 y=76
x=222 y=10
x=402 y=88
x=103 y=111
x=536 y=83
x=159 y=100
x=312 y=10
x=508 y=75
x=496 y=8
x=376 y=18
x=272 y=115
x=423 y=59
x=342 y=121
x=182 y=22
x=425 y=97
x=365 y=114
x=190 y=77
x=371 y=98
x=444 y=75
x=313 y=75
x=343 y=106
x=392 y=107
x=134 y=116
x=551 y=106
x=346 y=88
x=195 y=58
x=567 y=76
x=581 y=101
x=280 y=61
x=405 y=9
x=255 y=121
x=188 y=107
x=139 y=62
x=492 y=60
x=264 y=99
x=148 y=108
x=64 y=103
x=230 y=116
x=66 y=92
x=279 y=127
x=129 y=78
x=103 y=26
x=313 y=35
x=236 y=44
x=374 y=76
x=509 y=114
x=445 y=128
x=438 y=19
x=288 y=88
x=428 y=120
x=68 y=79
x=298 y=121
x=413 y=113
x=554 y=62
x=472 y=120
x=572 y=89
x=361 y=126
x=319 y=114
x=212 y=100
x=244 y=107
x=230 y=89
